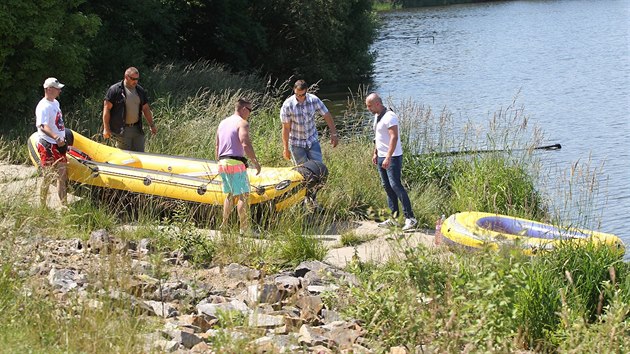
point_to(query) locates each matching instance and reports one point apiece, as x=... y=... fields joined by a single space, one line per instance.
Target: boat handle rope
x=201 y=189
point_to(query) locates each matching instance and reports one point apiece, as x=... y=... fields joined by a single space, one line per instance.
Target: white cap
x=52 y=82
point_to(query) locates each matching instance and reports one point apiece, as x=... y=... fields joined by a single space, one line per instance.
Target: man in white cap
x=52 y=141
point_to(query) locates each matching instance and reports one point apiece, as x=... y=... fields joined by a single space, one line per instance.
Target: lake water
x=567 y=62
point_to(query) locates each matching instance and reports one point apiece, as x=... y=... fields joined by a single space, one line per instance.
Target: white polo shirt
x=381 y=134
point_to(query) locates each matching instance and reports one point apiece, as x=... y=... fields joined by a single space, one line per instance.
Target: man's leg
x=241 y=209
x=299 y=154
x=62 y=182
x=394 y=174
x=122 y=142
x=137 y=139
x=227 y=209
x=47 y=177
x=392 y=198
x=303 y=155
x=315 y=152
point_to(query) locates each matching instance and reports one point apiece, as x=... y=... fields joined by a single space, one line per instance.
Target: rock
x=212 y=309
x=162 y=309
x=265 y=293
x=265 y=321
x=99 y=241
x=185 y=322
x=343 y=334
x=276 y=344
x=318 y=289
x=310 y=307
x=312 y=336
x=203 y=323
x=163 y=345
x=64 y=279
x=308 y=266
x=320 y=349
x=398 y=350
x=329 y=316
x=359 y=349
x=168 y=291
x=280 y=330
x=200 y=347
x=237 y=271
x=186 y=339
x=288 y=283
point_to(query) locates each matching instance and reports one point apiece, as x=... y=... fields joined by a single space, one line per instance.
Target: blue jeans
x=390 y=178
x=302 y=154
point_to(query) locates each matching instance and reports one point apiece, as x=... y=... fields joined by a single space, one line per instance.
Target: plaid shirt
x=302 y=118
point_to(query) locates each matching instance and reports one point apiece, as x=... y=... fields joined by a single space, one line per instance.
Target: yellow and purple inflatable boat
x=478 y=230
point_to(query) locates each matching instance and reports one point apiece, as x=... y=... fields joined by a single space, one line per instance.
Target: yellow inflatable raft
x=477 y=230
x=189 y=179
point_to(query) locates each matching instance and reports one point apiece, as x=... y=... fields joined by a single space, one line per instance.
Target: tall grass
x=489 y=302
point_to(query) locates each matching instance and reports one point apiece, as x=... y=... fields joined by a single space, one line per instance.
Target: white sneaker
x=410 y=224
x=388 y=223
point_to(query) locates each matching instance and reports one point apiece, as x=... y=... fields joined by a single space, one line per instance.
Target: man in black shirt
x=125 y=104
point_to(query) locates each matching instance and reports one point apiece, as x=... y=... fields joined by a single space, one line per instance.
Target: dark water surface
x=566 y=62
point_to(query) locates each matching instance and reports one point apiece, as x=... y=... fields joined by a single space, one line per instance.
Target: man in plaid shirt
x=299 y=134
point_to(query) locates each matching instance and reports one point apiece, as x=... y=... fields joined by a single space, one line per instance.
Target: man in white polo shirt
x=388 y=158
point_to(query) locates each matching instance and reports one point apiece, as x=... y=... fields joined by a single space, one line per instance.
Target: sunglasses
x=300 y=95
x=248 y=109
x=133 y=78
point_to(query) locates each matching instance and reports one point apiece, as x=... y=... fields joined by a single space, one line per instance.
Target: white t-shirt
x=49 y=113
x=381 y=132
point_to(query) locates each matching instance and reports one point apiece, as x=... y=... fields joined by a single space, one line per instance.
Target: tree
x=39 y=39
x=227 y=31
x=138 y=33
x=317 y=39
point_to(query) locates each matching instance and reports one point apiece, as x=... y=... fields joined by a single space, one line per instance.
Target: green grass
x=489 y=302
